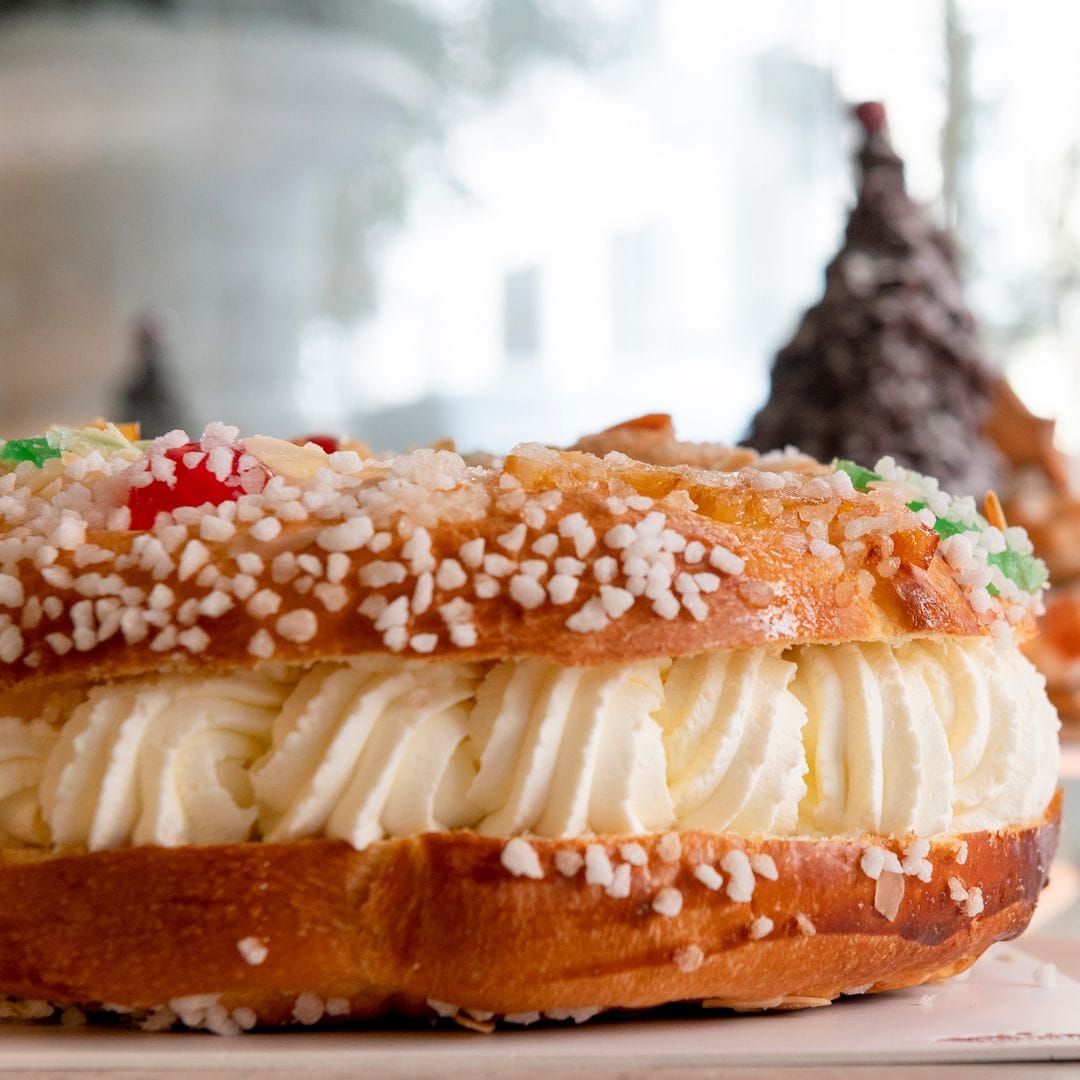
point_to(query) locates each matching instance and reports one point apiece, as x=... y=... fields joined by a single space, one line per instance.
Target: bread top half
x=299 y=555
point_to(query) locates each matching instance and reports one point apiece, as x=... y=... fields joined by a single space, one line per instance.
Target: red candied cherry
x=327 y=443
x=192 y=483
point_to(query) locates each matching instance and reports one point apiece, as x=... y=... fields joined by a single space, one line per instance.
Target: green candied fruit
x=945 y=528
x=86 y=439
x=1023 y=570
x=1026 y=571
x=36 y=450
x=861 y=478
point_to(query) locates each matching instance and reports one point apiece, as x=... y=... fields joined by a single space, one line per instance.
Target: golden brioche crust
x=441 y=917
x=466 y=568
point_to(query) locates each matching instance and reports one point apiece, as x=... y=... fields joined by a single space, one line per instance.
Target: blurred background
x=497 y=219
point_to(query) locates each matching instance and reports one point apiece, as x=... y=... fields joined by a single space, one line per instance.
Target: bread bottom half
x=438 y=922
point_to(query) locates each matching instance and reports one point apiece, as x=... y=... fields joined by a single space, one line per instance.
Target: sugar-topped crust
x=563 y=555
x=469 y=926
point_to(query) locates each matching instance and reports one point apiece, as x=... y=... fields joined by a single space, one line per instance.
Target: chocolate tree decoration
x=889 y=360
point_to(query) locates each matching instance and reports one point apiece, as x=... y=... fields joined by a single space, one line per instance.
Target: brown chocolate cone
x=889 y=360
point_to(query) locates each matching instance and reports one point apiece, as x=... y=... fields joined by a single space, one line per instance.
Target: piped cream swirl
x=367 y=749
x=929 y=736
x=159 y=761
x=1001 y=730
x=24 y=749
x=565 y=751
x=878 y=755
x=733 y=738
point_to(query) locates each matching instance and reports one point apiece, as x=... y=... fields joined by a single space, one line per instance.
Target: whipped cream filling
x=1002 y=731
x=927 y=737
x=565 y=751
x=932 y=736
x=878 y=752
x=159 y=761
x=24 y=748
x=733 y=738
x=364 y=750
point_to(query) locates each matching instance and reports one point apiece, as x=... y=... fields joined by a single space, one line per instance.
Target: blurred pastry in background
x=1041 y=496
x=652 y=439
x=1040 y=493
x=1056 y=653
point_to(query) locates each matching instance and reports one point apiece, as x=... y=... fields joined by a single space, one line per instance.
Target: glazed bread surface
x=561 y=555
x=473 y=928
